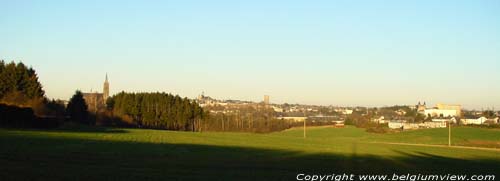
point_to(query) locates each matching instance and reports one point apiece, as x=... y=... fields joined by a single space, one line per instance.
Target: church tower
x=105 y=92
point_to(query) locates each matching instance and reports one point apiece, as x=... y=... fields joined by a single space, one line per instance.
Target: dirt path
x=439 y=146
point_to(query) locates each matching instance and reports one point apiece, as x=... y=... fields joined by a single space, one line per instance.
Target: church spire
x=105 y=91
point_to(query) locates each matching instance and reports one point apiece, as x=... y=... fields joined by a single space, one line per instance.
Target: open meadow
x=133 y=154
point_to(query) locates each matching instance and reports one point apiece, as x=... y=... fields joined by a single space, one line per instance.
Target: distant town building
x=339 y=124
x=477 y=121
x=441 y=110
x=347 y=111
x=457 y=108
x=277 y=109
x=97 y=101
x=380 y=120
x=344 y=111
x=400 y=112
x=294 y=119
x=266 y=99
x=450 y=120
x=206 y=100
x=294 y=109
x=421 y=107
x=406 y=126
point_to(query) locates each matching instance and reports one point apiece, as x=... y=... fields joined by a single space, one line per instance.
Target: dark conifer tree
x=77 y=108
x=21 y=81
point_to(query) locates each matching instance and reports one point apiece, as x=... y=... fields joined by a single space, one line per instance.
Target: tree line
x=172 y=112
x=244 y=118
x=23 y=104
x=157 y=110
x=22 y=98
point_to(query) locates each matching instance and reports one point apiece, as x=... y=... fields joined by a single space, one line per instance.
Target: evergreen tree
x=19 y=83
x=77 y=108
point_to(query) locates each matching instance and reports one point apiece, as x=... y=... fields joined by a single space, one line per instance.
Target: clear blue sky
x=371 y=53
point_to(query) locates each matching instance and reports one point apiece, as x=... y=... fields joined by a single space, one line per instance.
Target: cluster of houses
x=440 y=116
x=206 y=101
x=403 y=124
x=309 y=108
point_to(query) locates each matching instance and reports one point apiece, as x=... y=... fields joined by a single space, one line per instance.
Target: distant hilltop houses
x=97 y=101
x=438 y=117
x=290 y=112
x=206 y=101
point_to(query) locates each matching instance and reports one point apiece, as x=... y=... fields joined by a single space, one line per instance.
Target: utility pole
x=449 y=133
x=304 y=128
x=305 y=119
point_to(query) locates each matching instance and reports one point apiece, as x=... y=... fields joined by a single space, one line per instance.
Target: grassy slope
x=461 y=136
x=139 y=154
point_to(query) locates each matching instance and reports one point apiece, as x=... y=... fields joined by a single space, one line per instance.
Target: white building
x=293 y=109
x=294 y=119
x=347 y=111
x=477 y=121
x=452 y=120
x=405 y=126
x=441 y=112
x=380 y=120
x=400 y=112
x=277 y=109
x=339 y=124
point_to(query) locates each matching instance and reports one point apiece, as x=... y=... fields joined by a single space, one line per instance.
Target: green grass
x=133 y=154
x=461 y=136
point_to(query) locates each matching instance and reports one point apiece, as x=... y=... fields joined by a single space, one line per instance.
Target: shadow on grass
x=78 y=129
x=89 y=129
x=71 y=127
x=25 y=157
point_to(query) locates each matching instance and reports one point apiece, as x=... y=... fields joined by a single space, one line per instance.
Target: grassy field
x=133 y=154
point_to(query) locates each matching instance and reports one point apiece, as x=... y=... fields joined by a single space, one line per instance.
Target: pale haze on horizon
x=347 y=53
